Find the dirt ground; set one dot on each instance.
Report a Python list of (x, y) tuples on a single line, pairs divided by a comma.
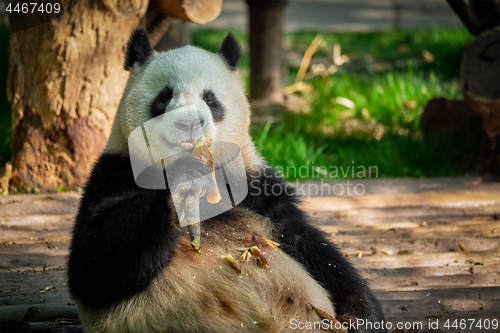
[(429, 248)]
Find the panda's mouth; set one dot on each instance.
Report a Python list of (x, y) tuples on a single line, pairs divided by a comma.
[(185, 144)]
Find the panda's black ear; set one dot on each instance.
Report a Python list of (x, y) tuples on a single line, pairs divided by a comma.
[(138, 49), (231, 51)]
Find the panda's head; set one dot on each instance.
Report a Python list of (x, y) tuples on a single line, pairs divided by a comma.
[(183, 94)]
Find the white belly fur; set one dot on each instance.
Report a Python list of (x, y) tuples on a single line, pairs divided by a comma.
[(206, 295)]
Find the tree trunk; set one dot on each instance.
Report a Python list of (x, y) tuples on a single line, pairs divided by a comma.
[(65, 81), (479, 79), (477, 16), (266, 51)]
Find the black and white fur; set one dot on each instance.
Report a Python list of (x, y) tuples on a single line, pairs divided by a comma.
[(128, 269)]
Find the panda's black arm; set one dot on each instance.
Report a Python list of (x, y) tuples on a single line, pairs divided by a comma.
[(122, 237), (269, 196)]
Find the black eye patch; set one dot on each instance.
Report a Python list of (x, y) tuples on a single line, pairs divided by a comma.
[(161, 101), (214, 105)]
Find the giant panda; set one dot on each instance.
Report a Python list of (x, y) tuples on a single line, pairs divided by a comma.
[(128, 268)]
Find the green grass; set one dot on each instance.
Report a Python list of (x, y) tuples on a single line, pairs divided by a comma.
[(393, 155), (379, 98), (382, 129), (445, 44), (5, 114)]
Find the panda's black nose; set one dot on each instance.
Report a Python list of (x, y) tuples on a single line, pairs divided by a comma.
[(189, 125)]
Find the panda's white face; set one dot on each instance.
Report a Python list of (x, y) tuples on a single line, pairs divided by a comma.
[(181, 95)]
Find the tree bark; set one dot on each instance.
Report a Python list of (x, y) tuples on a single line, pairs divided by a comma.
[(197, 11), (479, 79), (266, 51), (158, 28), (65, 81), (480, 16)]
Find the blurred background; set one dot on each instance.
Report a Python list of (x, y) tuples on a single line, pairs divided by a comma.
[(332, 83)]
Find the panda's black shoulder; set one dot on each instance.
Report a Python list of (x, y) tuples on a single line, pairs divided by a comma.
[(266, 189), (121, 240), (110, 176), (113, 169)]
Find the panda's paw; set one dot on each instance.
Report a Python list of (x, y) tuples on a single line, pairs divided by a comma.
[(188, 176)]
